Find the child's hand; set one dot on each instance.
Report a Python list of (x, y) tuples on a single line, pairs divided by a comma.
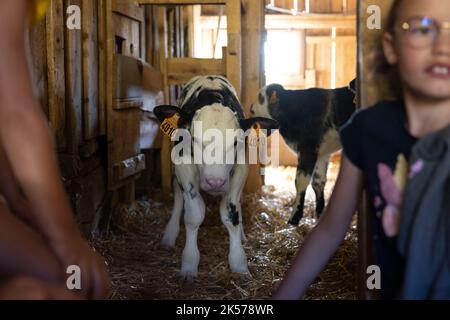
[(392, 186), (74, 250), (391, 221)]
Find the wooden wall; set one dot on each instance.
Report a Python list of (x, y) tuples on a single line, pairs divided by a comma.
[(317, 6), (69, 73), (65, 67)]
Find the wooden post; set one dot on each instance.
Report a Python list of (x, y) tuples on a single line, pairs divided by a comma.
[(252, 64), (101, 67), (370, 93), (90, 69), (166, 161), (234, 52), (56, 77), (73, 72)]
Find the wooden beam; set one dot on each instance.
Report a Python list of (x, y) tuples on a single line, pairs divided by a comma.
[(90, 70), (311, 21), (74, 100), (129, 167), (56, 76), (129, 9), (166, 146), (252, 77), (102, 67), (181, 70), (234, 48), (180, 2)]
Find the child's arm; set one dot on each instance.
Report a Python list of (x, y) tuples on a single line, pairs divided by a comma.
[(27, 142), (323, 241)]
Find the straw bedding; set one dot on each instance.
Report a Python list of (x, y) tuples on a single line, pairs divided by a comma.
[(141, 269)]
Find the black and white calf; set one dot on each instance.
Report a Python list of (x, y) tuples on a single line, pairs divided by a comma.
[(212, 102), (309, 123)]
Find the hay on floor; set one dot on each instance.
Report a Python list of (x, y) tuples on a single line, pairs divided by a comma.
[(141, 269)]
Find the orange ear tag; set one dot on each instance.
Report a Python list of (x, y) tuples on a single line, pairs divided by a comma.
[(169, 125), (273, 98)]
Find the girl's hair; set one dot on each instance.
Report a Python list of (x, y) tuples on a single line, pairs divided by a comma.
[(381, 65), (393, 14)]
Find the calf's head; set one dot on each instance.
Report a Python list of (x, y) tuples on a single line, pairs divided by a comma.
[(268, 101), (216, 139)]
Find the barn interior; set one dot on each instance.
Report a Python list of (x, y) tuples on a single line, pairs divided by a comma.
[(98, 86)]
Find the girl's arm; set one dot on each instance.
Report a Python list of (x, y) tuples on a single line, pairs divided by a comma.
[(30, 150), (24, 132), (329, 233)]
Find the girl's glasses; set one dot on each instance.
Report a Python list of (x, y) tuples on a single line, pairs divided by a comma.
[(421, 32)]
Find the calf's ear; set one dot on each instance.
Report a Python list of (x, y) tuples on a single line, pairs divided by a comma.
[(265, 123), (274, 91), (166, 111)]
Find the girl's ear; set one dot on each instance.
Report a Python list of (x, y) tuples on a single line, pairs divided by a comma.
[(389, 49)]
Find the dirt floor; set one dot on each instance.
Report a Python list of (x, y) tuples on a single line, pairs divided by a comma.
[(142, 269)]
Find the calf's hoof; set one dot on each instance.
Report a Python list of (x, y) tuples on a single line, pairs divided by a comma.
[(187, 278), (295, 220), (168, 243)]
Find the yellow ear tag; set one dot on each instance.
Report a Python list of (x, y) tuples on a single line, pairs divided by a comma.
[(169, 125), (258, 133)]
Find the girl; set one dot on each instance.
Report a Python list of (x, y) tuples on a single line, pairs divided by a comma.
[(416, 46)]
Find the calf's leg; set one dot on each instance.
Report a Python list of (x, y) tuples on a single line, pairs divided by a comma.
[(173, 227), (318, 183), (305, 170), (231, 215), (194, 213)]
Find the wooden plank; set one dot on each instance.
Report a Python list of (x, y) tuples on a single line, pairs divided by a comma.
[(102, 66), (128, 8), (126, 142), (129, 31), (181, 70), (90, 70), (74, 86), (121, 104), (313, 21), (372, 89), (180, 2), (327, 40), (129, 167), (166, 161), (109, 88), (252, 63), (189, 18), (152, 79), (234, 51), (38, 62), (56, 76), (149, 39), (127, 77)]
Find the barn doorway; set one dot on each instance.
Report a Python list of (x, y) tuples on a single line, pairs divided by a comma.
[(309, 44)]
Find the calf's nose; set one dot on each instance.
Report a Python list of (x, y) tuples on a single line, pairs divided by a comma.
[(215, 183)]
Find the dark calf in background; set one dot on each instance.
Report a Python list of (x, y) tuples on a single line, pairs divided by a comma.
[(309, 123)]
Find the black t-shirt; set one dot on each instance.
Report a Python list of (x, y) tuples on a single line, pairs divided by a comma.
[(374, 136)]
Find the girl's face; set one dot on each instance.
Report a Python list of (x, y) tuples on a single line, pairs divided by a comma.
[(423, 61)]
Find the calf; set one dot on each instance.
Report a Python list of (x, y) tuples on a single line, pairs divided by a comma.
[(309, 122), (212, 102)]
